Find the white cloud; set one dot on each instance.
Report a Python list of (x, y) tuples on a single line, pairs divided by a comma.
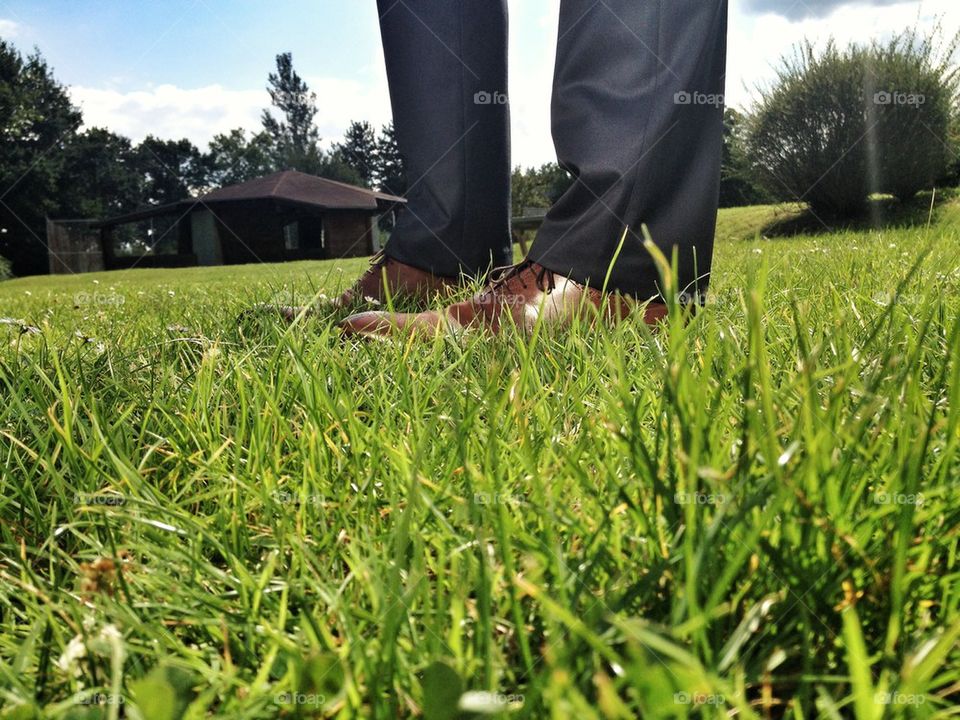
[(198, 114), (809, 8), (758, 42), (170, 112), (8, 29)]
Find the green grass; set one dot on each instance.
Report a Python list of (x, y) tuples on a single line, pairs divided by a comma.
[(756, 514)]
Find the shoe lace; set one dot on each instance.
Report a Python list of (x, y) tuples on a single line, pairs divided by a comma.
[(501, 276), (377, 262)]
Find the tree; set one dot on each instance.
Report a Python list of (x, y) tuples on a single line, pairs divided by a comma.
[(171, 170), (99, 177), (234, 159), (359, 150), (738, 183), (555, 180), (526, 191), (391, 172), (295, 138), (37, 120), (333, 167), (538, 187)]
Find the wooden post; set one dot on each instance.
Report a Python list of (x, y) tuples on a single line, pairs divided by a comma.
[(106, 247)]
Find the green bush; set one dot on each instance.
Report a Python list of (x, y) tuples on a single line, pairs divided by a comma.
[(4, 268), (912, 107), (840, 125)]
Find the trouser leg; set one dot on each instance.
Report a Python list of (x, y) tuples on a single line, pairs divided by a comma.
[(638, 119), (447, 68)]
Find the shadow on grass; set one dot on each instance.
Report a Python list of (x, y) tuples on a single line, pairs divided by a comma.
[(881, 213)]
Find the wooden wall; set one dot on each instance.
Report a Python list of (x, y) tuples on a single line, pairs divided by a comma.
[(348, 234)]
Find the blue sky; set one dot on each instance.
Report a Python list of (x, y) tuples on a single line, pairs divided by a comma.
[(196, 67)]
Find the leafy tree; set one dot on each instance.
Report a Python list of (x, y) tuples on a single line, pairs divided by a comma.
[(99, 177), (526, 191), (555, 181), (294, 135), (538, 187), (36, 122), (171, 170), (333, 167), (233, 158), (359, 150), (738, 183)]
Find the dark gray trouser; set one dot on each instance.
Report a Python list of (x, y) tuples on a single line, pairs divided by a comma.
[(637, 119)]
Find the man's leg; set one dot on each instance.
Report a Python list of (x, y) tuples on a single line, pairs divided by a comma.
[(447, 68), (638, 119)]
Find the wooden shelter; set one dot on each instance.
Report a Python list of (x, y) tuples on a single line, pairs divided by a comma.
[(285, 216)]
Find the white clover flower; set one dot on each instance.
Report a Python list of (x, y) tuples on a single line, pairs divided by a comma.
[(69, 661)]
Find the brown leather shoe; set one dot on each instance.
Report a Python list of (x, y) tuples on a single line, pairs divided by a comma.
[(521, 295), (404, 282)]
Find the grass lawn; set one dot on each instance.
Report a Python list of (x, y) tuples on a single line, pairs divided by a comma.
[(753, 515)]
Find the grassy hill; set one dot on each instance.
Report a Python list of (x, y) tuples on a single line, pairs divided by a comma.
[(755, 513)]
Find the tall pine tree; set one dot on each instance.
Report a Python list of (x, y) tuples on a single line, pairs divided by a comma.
[(294, 135), (391, 175)]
